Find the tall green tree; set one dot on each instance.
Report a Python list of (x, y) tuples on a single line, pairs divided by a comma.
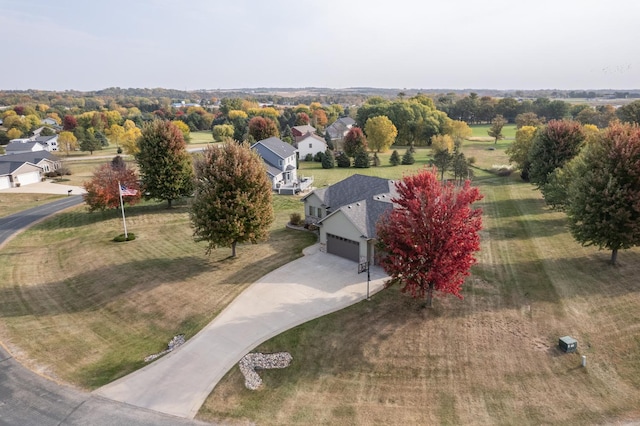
[(165, 165), (495, 131), (552, 147), (604, 192), (630, 113), (233, 197)]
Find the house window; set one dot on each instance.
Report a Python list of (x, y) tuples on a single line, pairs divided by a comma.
[(311, 145), (311, 211), (279, 162), (319, 213)]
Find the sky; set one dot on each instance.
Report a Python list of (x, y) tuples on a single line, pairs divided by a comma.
[(404, 44)]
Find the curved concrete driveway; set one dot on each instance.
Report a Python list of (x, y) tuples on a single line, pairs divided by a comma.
[(302, 290), (28, 399)]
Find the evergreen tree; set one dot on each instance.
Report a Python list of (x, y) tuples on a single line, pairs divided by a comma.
[(394, 160), (407, 158), (343, 160), (165, 165), (328, 161), (361, 160), (233, 197)]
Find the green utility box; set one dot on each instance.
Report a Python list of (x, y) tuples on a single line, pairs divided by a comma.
[(568, 344)]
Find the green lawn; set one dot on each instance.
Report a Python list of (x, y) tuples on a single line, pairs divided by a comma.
[(480, 131)]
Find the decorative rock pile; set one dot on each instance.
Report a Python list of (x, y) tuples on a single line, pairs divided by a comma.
[(258, 361), (175, 342)]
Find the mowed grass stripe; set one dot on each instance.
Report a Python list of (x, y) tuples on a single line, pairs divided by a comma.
[(86, 310)]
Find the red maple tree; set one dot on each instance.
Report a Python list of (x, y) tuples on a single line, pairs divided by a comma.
[(427, 242), (102, 190)]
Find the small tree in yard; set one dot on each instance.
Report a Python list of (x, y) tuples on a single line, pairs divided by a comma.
[(343, 160), (361, 160), (165, 165), (102, 190), (328, 161), (394, 160), (407, 158), (233, 197), (354, 141), (428, 240), (495, 131)]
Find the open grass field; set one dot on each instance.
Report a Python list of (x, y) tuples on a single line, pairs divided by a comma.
[(491, 358), (85, 310), (480, 131)]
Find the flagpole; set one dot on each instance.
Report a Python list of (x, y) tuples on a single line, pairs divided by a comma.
[(124, 221)]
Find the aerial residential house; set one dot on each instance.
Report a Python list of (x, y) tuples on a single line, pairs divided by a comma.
[(49, 121), (310, 144), (280, 159), (50, 142), (19, 146), (338, 130), (298, 132), (26, 168), (347, 212)]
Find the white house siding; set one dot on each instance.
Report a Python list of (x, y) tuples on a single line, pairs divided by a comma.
[(338, 224), (5, 182), (304, 147)]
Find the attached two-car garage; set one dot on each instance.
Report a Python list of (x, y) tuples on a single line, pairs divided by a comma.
[(27, 178), (343, 247)]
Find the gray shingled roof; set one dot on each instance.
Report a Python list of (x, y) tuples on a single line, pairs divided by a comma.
[(31, 157), (304, 129), (363, 199), (275, 145), (21, 146), (8, 167)]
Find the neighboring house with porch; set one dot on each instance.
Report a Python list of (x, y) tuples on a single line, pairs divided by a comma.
[(298, 132), (347, 212), (338, 130), (311, 144), (280, 159), (26, 168)]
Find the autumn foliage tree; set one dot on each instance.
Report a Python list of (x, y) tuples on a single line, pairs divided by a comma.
[(381, 133), (233, 196), (102, 190), (354, 141), (261, 128), (604, 191), (427, 242)]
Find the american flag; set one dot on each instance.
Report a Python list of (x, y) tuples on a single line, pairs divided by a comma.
[(124, 191)]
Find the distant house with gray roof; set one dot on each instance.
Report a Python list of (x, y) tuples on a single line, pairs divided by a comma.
[(20, 146), (347, 212), (299, 132), (339, 129), (280, 160)]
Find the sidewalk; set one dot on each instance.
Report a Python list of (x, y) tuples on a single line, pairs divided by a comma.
[(307, 288), (46, 187)]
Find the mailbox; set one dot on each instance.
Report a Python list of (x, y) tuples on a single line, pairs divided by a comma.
[(568, 344)]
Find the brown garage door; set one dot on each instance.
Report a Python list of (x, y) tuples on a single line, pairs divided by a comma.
[(342, 247)]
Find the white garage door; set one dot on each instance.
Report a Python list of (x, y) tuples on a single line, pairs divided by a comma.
[(28, 178), (4, 182)]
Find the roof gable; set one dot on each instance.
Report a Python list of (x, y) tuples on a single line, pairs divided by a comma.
[(275, 145)]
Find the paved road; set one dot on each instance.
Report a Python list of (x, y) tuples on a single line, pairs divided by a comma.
[(299, 291), (12, 225), (27, 399)]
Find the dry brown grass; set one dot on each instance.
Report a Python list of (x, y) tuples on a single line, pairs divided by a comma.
[(86, 310), (491, 358)]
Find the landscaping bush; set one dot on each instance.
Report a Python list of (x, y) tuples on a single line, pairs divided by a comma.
[(318, 157), (308, 157), (295, 219), (328, 161), (501, 170), (361, 160)]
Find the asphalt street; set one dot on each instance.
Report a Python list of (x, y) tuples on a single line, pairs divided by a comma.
[(27, 399)]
